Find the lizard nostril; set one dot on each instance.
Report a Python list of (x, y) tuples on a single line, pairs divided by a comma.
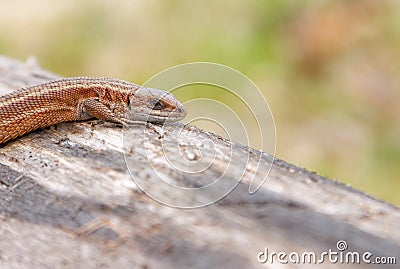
[(182, 110)]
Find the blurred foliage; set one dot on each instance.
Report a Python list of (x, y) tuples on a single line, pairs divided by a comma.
[(329, 69)]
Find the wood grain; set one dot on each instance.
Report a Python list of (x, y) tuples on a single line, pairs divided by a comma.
[(68, 200)]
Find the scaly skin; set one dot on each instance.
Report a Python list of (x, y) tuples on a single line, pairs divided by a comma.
[(81, 98)]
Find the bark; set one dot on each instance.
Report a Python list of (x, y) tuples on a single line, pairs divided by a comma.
[(71, 197)]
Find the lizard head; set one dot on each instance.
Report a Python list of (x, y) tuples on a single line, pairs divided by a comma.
[(154, 105)]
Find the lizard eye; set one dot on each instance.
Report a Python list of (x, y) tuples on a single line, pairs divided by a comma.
[(157, 105)]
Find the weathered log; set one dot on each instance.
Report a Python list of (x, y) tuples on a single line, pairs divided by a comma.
[(68, 199)]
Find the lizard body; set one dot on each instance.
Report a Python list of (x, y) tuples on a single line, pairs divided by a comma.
[(81, 98)]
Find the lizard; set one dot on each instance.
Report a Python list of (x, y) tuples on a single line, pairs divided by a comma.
[(82, 98)]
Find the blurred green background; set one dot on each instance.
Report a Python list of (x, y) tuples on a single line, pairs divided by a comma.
[(330, 70)]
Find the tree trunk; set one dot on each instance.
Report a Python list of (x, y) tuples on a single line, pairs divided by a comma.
[(72, 197)]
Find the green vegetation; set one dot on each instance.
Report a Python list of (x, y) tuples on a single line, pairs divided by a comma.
[(329, 69)]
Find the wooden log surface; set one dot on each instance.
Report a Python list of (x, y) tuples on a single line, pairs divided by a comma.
[(71, 197)]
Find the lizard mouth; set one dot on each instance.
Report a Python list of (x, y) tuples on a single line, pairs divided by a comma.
[(156, 106), (157, 116)]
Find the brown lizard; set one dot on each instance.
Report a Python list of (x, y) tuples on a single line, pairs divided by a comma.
[(81, 98)]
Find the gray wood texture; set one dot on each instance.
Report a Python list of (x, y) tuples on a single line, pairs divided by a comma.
[(68, 199)]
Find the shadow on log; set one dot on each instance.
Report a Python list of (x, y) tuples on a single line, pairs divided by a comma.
[(68, 200)]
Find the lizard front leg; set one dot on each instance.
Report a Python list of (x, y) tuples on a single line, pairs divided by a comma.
[(92, 107)]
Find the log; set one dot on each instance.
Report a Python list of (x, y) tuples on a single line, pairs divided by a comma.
[(95, 195)]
